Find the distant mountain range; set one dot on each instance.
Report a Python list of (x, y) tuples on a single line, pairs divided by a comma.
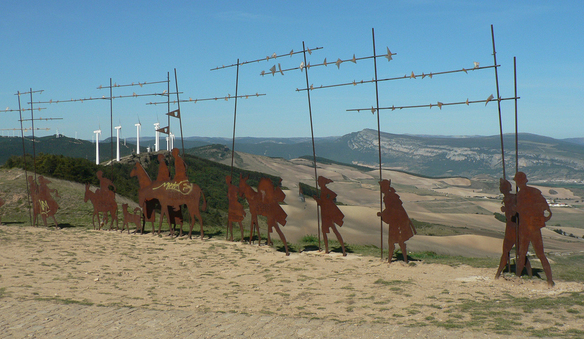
[(544, 159)]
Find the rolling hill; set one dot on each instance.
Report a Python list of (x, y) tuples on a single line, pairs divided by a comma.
[(544, 159)]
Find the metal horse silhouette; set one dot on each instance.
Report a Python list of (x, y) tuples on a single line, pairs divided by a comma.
[(266, 202), (171, 195), (103, 200), (330, 212), (42, 201), (401, 227), (532, 208)]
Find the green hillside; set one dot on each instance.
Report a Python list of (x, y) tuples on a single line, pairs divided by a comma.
[(75, 148), (209, 175)]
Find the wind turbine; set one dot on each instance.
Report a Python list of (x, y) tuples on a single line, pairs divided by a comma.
[(156, 137), (138, 127), (118, 128), (97, 133)]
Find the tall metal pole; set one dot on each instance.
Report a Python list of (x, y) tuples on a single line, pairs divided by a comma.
[(516, 161), (168, 105), (234, 118), (516, 130), (312, 135), (111, 130), (24, 160), (33, 140), (498, 103), (379, 144), (180, 116)]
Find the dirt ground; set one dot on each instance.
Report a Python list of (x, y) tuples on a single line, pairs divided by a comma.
[(86, 268)]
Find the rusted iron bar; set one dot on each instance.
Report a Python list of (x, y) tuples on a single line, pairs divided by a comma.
[(208, 99), (234, 120), (41, 119), (267, 58), (378, 142), (498, 103), (28, 109), (313, 150), (24, 161), (133, 84), (32, 123), (180, 117), (338, 63), (438, 104), (24, 129), (411, 76), (516, 159), (134, 95)]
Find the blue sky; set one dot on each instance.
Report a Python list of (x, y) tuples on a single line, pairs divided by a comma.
[(69, 48)]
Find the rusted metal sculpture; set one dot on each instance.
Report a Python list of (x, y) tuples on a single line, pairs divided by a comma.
[(180, 168), (235, 212), (171, 195), (510, 209), (135, 218), (253, 200), (532, 208), (266, 202), (42, 200), (395, 216), (104, 201), (271, 209), (329, 212), (163, 172)]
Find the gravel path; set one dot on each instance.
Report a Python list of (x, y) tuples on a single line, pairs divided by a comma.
[(46, 319)]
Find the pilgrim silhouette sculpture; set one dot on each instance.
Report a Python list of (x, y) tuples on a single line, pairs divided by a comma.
[(401, 227), (330, 213), (532, 209)]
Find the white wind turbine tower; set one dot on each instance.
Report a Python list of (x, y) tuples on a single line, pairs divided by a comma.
[(97, 133), (118, 128), (156, 137), (138, 127)]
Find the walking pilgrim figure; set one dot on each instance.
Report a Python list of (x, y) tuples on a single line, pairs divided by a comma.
[(235, 212), (271, 197), (532, 208), (510, 209), (330, 213), (401, 227)]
